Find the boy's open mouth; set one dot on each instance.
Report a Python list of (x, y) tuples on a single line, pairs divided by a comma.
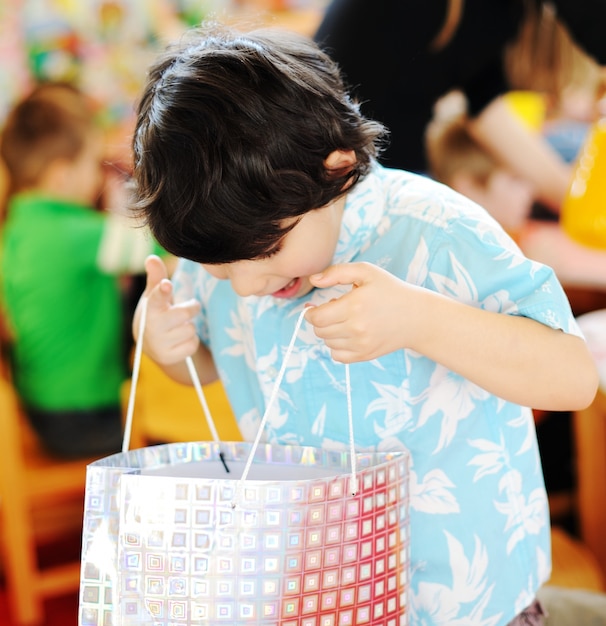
[(289, 290)]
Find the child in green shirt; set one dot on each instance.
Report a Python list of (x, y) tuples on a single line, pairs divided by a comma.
[(60, 261)]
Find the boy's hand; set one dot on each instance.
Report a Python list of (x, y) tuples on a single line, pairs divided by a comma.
[(367, 322), (169, 334)]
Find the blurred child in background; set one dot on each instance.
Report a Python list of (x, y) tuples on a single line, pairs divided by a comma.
[(548, 61), (457, 159), (402, 56), (60, 261)]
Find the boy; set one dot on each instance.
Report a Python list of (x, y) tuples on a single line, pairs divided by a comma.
[(60, 261), (255, 167)]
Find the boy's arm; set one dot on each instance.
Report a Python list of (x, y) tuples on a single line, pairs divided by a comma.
[(513, 357), (170, 334)]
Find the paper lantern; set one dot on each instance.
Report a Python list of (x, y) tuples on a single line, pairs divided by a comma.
[(584, 209)]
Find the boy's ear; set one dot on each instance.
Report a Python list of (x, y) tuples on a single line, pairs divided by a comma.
[(339, 160)]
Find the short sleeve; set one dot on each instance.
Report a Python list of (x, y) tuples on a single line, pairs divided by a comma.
[(474, 261)]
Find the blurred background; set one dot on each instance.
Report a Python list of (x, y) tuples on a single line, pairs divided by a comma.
[(105, 46)]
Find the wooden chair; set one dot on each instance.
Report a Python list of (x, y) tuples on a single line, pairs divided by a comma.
[(590, 440), (589, 428), (41, 501), (574, 565)]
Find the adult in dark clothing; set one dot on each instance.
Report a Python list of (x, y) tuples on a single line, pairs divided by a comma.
[(401, 56)]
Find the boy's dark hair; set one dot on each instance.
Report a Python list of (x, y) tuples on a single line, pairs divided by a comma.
[(231, 137), (52, 122)]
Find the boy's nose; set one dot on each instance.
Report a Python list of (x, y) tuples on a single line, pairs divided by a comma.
[(247, 283)]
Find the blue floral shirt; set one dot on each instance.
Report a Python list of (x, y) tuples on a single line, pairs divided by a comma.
[(480, 538)]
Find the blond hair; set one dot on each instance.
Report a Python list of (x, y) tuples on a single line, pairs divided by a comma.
[(544, 57), (451, 148), (451, 23)]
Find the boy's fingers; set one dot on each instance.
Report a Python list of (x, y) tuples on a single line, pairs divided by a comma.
[(156, 274), (344, 274), (156, 271)]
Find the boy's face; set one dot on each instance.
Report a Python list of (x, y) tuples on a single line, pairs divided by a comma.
[(306, 249)]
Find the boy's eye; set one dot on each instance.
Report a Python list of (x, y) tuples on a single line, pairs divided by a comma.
[(270, 253)]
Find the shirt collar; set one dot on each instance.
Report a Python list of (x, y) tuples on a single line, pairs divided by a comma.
[(362, 214)]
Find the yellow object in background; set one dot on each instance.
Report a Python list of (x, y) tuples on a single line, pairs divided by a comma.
[(584, 209), (166, 411), (529, 107)]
